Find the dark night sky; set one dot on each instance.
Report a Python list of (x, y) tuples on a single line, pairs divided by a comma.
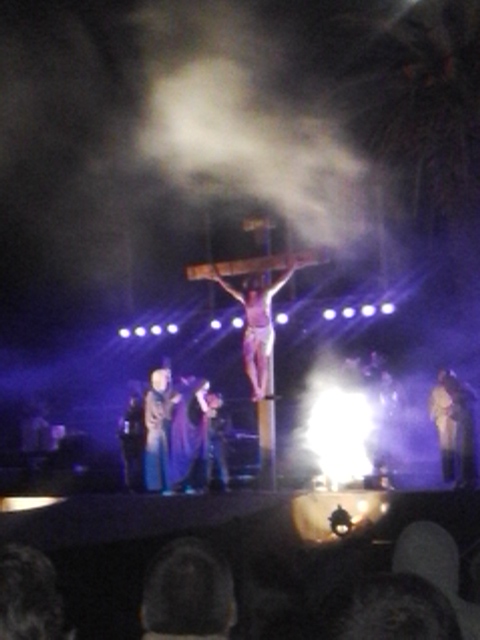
[(126, 127)]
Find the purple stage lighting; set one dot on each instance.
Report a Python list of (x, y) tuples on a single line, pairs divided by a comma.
[(329, 314), (368, 310), (156, 330), (124, 332), (216, 324), (140, 332), (348, 312), (172, 328), (282, 318), (237, 323), (387, 308)]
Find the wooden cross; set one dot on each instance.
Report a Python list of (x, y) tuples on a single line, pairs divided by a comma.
[(265, 407), (278, 262)]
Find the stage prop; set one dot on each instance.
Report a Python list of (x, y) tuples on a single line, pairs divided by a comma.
[(261, 226)]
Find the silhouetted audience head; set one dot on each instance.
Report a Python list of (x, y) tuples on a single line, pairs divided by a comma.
[(427, 549), (30, 605), (188, 590), (387, 606)]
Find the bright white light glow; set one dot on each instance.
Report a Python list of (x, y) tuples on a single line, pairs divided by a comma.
[(124, 333), (329, 314), (140, 332), (387, 308), (362, 506), (172, 328), (339, 425), (216, 324), (348, 312), (368, 310), (237, 323), (19, 503), (156, 330), (281, 318)]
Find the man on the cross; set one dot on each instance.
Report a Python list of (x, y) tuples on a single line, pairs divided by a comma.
[(259, 336)]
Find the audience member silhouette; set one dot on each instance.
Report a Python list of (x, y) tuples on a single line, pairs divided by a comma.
[(188, 591), (387, 606), (428, 550), (31, 607)]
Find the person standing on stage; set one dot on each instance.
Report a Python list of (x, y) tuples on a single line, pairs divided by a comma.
[(440, 405), (131, 433), (189, 437), (159, 401), (219, 424), (462, 411), (259, 335), (451, 408)]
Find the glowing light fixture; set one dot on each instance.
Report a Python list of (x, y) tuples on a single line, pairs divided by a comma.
[(348, 312), (368, 310), (282, 318), (140, 332), (172, 328), (237, 323), (124, 332), (329, 314), (387, 308), (340, 522), (20, 503), (216, 324), (156, 330), (338, 428)]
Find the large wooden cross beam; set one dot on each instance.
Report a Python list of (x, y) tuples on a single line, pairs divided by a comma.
[(260, 264)]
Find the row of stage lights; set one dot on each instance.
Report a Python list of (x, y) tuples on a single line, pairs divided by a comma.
[(282, 318)]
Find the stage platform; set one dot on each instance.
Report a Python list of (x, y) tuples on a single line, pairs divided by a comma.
[(304, 516)]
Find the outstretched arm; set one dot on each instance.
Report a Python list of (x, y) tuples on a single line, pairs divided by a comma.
[(281, 281), (238, 295)]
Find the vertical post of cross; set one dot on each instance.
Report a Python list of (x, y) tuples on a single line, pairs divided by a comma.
[(266, 418)]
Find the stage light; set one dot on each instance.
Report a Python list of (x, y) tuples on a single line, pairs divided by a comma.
[(312, 514), (282, 318), (387, 308), (124, 333), (20, 503), (329, 314), (340, 522), (338, 428), (237, 323), (156, 330), (216, 324), (368, 310), (348, 312), (140, 332), (172, 328)]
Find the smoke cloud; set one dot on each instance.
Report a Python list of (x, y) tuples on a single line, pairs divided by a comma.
[(216, 122)]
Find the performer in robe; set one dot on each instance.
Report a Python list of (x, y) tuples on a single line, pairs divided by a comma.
[(259, 334), (159, 402), (451, 408), (440, 405), (189, 437), (463, 412)]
